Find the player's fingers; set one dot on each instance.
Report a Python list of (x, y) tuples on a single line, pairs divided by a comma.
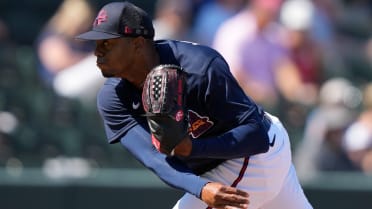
[(226, 200), (232, 190), (230, 204), (217, 195), (234, 195), (237, 199), (234, 200)]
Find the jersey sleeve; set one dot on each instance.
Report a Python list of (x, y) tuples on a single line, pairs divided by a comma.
[(115, 110), (245, 134)]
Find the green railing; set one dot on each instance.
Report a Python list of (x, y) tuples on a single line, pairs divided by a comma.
[(140, 189)]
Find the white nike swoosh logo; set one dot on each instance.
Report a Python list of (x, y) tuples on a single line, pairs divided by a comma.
[(135, 105)]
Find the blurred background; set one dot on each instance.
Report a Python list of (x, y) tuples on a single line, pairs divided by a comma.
[(307, 61)]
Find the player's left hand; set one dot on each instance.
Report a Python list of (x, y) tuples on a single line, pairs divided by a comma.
[(163, 100), (217, 195)]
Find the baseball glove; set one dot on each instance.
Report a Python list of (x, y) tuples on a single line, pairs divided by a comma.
[(163, 101)]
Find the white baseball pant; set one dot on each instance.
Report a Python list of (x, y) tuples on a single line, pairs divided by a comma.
[(269, 178)]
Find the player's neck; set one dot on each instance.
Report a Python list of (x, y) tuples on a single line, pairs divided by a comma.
[(153, 57), (149, 60)]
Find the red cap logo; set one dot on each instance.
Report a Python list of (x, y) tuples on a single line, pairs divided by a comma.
[(101, 17), (128, 30)]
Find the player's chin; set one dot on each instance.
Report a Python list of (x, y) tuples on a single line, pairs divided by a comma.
[(106, 74)]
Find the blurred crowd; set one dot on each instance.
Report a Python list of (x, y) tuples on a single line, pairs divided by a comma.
[(307, 61)]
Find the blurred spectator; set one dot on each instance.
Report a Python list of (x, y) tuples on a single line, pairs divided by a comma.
[(321, 147), (8, 125), (352, 24), (80, 81), (68, 65), (4, 33), (173, 19), (358, 137), (210, 16), (7, 45), (197, 4), (57, 48), (354, 20), (368, 52), (8, 80), (297, 17), (252, 43), (7, 48), (324, 19), (320, 17)]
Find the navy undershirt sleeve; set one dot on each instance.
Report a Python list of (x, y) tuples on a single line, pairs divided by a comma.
[(242, 141), (169, 169)]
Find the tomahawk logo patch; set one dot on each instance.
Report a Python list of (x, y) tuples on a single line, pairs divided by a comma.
[(198, 124), (101, 17)]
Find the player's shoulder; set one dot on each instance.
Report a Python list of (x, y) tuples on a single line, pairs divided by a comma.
[(111, 83), (193, 57), (109, 91), (196, 48), (189, 50)]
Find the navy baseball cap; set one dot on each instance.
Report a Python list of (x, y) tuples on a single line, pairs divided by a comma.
[(120, 19)]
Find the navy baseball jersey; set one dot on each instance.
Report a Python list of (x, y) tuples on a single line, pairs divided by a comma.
[(217, 108)]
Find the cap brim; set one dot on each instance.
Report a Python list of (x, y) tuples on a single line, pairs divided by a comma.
[(96, 35)]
